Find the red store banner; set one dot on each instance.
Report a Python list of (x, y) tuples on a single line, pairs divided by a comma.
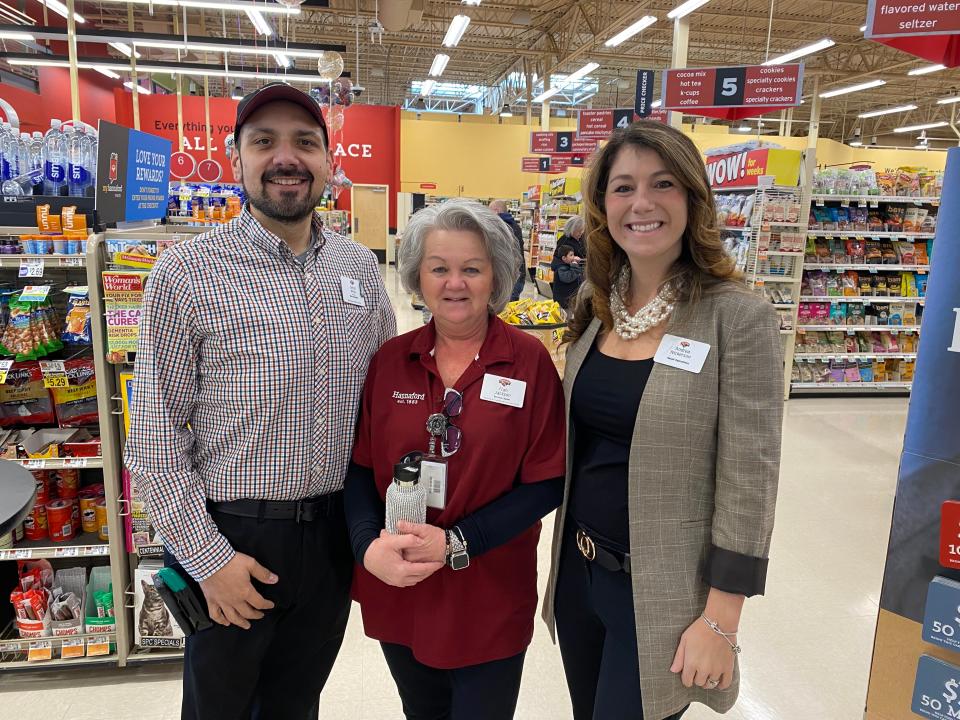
[(596, 125), (928, 30), (368, 147), (739, 91)]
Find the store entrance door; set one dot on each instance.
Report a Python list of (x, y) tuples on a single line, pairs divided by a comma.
[(370, 206)]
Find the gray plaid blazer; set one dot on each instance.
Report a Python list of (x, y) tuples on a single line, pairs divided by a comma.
[(704, 465)]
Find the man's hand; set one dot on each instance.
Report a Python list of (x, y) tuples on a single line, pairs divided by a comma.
[(384, 559), (231, 597), (433, 542)]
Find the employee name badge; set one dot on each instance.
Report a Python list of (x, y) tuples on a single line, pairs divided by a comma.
[(433, 476), (503, 390), (682, 353), (351, 291)]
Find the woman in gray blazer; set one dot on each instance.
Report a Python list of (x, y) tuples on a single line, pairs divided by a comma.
[(673, 387)]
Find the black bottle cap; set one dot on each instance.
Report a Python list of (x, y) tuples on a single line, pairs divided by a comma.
[(406, 473)]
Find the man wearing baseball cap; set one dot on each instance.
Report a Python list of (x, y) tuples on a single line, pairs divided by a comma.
[(254, 345)]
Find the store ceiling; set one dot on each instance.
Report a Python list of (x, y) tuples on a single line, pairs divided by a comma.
[(560, 36)]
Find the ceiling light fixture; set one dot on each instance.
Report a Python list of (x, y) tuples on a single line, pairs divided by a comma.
[(887, 111), (686, 8), (853, 88), (863, 28), (949, 100), (60, 9), (505, 111), (439, 64), (259, 22), (123, 48), (656, 103), (546, 95), (579, 74), (282, 60), (458, 26), (471, 2), (193, 46), (236, 5), (140, 89), (426, 87), (19, 36), (627, 33), (109, 73), (801, 52), (237, 93), (927, 69), (924, 126)]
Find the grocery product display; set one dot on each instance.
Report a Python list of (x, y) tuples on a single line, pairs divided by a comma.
[(63, 161)]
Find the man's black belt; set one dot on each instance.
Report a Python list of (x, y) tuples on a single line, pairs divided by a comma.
[(305, 510)]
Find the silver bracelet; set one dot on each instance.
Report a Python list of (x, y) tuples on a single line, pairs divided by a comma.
[(726, 636)]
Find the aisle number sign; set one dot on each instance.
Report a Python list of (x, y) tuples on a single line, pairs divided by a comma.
[(898, 18), (551, 164), (600, 124), (754, 86), (551, 143)]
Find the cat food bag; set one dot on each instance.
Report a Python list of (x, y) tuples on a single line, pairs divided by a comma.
[(153, 625)]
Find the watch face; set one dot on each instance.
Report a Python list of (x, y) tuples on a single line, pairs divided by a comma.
[(460, 561)]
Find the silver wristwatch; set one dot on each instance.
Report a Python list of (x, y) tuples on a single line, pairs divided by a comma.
[(457, 557)]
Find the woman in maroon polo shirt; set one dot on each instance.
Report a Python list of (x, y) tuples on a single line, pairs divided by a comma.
[(452, 601)]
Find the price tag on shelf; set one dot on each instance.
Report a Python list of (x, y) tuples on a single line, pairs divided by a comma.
[(7, 555), (40, 650), (72, 648), (76, 462), (872, 271), (31, 268), (820, 202), (99, 645), (5, 366), (861, 203), (34, 464), (874, 203), (52, 366), (23, 554), (71, 262), (921, 272), (845, 202), (35, 293), (64, 552), (55, 381), (95, 550)]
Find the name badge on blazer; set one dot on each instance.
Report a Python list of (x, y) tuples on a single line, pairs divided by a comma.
[(682, 353)]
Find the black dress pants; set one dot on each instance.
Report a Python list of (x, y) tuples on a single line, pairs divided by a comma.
[(487, 691), (597, 634), (277, 668)]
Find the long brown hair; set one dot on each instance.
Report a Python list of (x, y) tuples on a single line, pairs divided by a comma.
[(703, 263)]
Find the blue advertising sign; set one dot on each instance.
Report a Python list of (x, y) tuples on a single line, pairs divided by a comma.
[(936, 690), (133, 174), (941, 619), (930, 464)]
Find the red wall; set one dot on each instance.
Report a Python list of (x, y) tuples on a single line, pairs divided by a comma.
[(368, 147), (36, 110)]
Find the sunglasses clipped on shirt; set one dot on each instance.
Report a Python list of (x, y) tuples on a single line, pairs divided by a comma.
[(440, 425)]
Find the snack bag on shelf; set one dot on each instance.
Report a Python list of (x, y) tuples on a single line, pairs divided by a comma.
[(851, 283), (866, 371), (893, 370), (48, 222), (854, 314), (879, 370), (806, 372), (921, 281), (837, 371), (24, 401), (910, 318), (906, 253), (866, 285), (921, 253), (907, 368), (838, 314), (833, 285), (880, 286), (896, 313), (76, 330), (856, 250), (874, 253), (76, 405), (851, 372), (888, 256)]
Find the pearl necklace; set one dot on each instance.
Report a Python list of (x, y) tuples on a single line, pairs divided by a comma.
[(630, 327)]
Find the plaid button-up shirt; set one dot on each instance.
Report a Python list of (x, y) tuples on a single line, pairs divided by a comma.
[(249, 374)]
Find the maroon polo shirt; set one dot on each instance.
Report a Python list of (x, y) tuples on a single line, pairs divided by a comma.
[(484, 612)]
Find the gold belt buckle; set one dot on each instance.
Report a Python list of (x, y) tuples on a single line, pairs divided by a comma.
[(585, 543)]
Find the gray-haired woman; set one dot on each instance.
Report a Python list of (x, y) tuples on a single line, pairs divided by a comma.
[(477, 405)]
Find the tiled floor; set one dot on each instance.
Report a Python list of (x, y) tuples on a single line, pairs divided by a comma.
[(807, 643)]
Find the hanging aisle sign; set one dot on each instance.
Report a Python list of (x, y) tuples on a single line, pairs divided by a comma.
[(644, 96), (758, 87), (897, 18), (600, 124), (565, 143)]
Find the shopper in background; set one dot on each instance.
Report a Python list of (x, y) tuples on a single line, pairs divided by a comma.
[(567, 277), (668, 509), (254, 346), (500, 208), (452, 602), (573, 231)]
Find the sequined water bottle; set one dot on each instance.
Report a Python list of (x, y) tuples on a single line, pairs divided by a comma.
[(406, 498)]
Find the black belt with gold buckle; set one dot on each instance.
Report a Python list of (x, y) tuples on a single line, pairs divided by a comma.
[(614, 562)]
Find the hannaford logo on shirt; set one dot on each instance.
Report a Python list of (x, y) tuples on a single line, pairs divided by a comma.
[(684, 344), (408, 398), (504, 382), (682, 350)]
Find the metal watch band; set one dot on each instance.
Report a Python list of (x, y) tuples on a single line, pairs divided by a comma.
[(457, 557)]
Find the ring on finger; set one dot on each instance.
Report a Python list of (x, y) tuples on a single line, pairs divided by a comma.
[(711, 683)]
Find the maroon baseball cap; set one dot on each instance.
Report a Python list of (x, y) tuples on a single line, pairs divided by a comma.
[(272, 93)]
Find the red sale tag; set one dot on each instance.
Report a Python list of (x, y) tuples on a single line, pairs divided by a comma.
[(950, 534)]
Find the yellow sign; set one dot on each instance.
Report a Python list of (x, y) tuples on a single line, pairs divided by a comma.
[(55, 381)]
